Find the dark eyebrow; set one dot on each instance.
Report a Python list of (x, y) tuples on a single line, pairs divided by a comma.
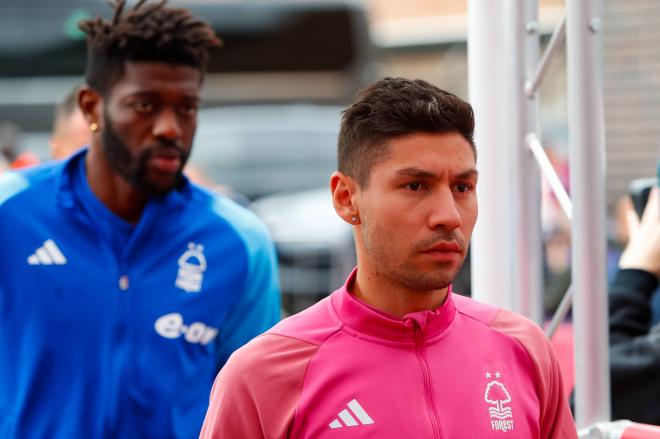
[(154, 94), (421, 173), (415, 172), (469, 174)]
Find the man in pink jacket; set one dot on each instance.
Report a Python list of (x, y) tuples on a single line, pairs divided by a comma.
[(394, 353)]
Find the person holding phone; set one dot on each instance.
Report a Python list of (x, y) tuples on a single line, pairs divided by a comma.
[(634, 341)]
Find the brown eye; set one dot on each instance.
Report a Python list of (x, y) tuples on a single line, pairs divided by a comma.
[(143, 106), (188, 109), (463, 187)]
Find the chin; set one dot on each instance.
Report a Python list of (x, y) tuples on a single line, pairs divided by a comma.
[(426, 281), (161, 186), (440, 278)]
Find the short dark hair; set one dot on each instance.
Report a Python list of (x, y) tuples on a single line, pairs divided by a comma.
[(149, 32), (392, 108)]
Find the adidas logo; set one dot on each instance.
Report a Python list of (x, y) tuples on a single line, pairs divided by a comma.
[(347, 416), (48, 254)]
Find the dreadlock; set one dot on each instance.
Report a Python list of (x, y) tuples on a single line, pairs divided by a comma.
[(149, 31)]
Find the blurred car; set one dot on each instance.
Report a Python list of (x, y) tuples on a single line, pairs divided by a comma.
[(315, 247), (280, 157), (259, 150)]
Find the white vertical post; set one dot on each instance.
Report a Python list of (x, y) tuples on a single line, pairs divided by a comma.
[(522, 40), (492, 241), (587, 170), (531, 181)]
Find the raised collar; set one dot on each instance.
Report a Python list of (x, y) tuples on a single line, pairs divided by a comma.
[(366, 321)]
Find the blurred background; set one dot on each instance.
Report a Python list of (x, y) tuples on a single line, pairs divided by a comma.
[(274, 93)]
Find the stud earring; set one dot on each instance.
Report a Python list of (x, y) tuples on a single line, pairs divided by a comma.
[(94, 127), (353, 219)]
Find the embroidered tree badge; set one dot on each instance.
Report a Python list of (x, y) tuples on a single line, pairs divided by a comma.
[(497, 394), (192, 265)]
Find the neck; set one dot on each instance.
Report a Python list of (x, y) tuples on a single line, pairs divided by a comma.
[(112, 189), (394, 298)]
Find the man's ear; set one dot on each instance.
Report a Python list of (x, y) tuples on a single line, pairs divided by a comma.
[(345, 191), (91, 105)]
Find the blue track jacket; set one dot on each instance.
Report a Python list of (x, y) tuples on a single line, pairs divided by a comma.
[(109, 330)]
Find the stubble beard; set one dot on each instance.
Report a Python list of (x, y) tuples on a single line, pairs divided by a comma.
[(134, 169), (388, 263)]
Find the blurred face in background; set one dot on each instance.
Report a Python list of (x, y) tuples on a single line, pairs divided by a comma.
[(71, 133)]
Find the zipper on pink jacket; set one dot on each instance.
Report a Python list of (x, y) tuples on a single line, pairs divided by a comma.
[(426, 375)]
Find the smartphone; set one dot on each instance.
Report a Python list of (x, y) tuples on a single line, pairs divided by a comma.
[(639, 191)]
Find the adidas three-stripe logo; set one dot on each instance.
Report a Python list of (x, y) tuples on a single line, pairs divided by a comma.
[(346, 416), (48, 254)]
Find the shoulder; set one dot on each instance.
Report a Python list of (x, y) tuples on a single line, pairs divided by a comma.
[(314, 325), (474, 309), (256, 393), (17, 184), (268, 369), (523, 331), (269, 354), (219, 208), (555, 418), (527, 333)]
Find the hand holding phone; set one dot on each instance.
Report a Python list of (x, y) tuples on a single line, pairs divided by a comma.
[(643, 249), (639, 190)]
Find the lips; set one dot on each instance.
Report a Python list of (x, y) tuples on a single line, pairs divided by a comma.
[(444, 252), (166, 160), (167, 165), (445, 247)]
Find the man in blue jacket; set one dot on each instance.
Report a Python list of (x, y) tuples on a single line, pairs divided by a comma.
[(123, 287)]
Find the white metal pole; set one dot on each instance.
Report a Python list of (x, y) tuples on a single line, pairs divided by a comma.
[(587, 170), (557, 39), (528, 273), (550, 174), (492, 281), (524, 214)]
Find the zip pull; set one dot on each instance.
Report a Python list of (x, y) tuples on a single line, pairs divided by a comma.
[(417, 330)]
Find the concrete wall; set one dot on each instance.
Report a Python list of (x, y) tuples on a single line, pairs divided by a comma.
[(632, 91)]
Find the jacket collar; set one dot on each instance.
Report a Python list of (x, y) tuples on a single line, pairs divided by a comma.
[(363, 319)]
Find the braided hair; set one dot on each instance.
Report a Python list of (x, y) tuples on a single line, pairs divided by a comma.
[(148, 32)]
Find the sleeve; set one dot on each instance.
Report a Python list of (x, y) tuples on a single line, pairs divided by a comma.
[(258, 307), (555, 419), (11, 182), (630, 313), (256, 394), (634, 348)]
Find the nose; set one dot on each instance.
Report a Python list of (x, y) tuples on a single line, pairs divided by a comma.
[(167, 126), (444, 213)]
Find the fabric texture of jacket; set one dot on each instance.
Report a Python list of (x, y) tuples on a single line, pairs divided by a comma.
[(117, 331), (342, 369), (634, 348)]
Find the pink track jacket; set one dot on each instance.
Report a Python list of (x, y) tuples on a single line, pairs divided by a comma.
[(342, 369)]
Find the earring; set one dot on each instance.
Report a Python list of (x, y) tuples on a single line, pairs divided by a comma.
[(94, 127), (353, 219)]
